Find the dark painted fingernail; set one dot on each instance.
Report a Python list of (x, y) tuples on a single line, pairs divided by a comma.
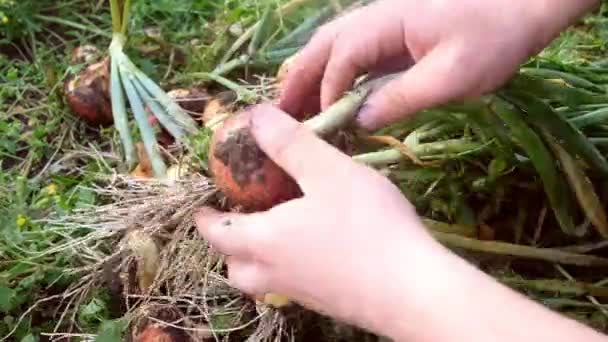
[(363, 117)]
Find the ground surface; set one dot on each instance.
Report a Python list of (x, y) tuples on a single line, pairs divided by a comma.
[(48, 155)]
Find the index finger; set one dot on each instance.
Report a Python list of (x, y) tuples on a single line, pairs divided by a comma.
[(296, 149), (303, 81)]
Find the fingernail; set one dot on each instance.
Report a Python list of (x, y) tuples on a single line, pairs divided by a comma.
[(364, 117)]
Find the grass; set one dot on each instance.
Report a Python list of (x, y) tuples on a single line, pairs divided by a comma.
[(487, 174)]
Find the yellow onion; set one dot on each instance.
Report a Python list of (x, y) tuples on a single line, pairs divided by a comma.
[(243, 172), (218, 109), (87, 94)]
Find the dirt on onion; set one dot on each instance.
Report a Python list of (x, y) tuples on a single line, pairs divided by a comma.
[(243, 172)]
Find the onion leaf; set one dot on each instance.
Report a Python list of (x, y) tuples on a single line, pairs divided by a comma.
[(584, 190), (147, 133), (119, 113), (542, 115), (163, 118), (542, 160)]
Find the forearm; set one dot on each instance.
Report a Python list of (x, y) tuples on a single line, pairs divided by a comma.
[(457, 302)]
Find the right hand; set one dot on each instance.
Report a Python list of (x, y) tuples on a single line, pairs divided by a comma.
[(453, 49)]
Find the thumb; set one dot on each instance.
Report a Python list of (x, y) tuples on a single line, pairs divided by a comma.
[(437, 78), (295, 148)]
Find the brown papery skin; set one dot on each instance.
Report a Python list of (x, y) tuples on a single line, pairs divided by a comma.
[(243, 172), (87, 94)]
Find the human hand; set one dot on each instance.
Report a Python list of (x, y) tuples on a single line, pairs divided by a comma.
[(353, 248), (453, 49), (341, 249)]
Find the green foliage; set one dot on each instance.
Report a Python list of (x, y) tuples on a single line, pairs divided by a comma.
[(42, 170), (111, 331)]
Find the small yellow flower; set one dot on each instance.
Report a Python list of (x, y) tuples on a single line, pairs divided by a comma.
[(51, 189), (21, 220), (5, 20)]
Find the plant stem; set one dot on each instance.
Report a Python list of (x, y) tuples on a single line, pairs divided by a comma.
[(243, 93), (116, 19), (503, 248), (225, 68), (458, 229), (555, 285), (125, 17), (391, 156), (343, 111)]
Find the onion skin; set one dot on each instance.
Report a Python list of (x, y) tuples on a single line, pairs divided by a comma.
[(191, 100), (243, 172), (87, 94), (84, 54), (154, 333)]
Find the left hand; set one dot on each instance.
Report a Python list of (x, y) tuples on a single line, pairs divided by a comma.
[(332, 249)]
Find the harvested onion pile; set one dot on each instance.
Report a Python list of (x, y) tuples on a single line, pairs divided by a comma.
[(101, 92)]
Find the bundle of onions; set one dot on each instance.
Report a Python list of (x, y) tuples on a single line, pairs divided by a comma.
[(141, 92)]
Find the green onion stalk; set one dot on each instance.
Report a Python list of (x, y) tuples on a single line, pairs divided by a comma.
[(141, 92)]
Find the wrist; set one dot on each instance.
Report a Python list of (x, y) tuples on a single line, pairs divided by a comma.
[(415, 279), (445, 298)]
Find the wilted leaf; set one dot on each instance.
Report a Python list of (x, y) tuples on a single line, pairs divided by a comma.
[(584, 190)]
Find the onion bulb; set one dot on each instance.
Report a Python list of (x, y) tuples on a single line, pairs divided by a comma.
[(84, 54), (243, 172), (158, 333), (218, 109), (191, 100), (87, 93)]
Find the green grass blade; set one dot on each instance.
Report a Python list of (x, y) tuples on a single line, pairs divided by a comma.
[(239, 42), (147, 133), (163, 118), (584, 190), (262, 32), (119, 112), (542, 160), (301, 34), (543, 116)]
